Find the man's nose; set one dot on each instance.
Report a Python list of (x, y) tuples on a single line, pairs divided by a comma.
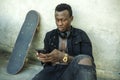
[(60, 23)]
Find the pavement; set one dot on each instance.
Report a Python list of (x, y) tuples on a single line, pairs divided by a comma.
[(30, 69)]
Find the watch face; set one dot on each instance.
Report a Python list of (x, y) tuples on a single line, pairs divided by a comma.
[(65, 58)]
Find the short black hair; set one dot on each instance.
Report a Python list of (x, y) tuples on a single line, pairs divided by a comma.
[(64, 6)]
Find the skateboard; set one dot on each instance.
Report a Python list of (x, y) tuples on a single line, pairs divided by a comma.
[(22, 45)]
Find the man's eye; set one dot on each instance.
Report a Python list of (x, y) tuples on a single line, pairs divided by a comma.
[(64, 19), (57, 20)]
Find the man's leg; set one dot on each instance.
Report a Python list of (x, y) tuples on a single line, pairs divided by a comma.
[(50, 72), (47, 73), (81, 68)]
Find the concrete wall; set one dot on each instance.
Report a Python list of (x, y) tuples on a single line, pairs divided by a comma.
[(99, 18)]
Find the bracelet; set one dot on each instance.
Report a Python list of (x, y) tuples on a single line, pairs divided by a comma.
[(65, 58)]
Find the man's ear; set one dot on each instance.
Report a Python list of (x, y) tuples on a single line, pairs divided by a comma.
[(71, 18)]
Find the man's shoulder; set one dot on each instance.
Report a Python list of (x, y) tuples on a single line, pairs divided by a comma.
[(52, 32), (81, 34), (77, 30)]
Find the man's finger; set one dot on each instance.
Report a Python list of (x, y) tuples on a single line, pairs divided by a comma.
[(37, 53)]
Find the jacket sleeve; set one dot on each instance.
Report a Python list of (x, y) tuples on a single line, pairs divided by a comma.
[(86, 46), (47, 42)]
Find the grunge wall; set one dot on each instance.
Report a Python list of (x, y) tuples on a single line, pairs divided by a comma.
[(99, 18)]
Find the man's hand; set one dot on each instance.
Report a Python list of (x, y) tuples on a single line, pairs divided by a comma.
[(54, 56), (42, 57)]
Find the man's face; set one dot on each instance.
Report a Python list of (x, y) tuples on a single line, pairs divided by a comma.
[(63, 20)]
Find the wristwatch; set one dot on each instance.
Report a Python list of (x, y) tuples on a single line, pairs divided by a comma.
[(65, 58)]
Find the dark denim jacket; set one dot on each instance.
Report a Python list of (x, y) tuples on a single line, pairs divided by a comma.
[(77, 43)]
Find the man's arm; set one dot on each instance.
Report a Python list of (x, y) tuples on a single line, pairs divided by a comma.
[(55, 56), (86, 46)]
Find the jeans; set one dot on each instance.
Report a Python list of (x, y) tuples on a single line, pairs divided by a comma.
[(72, 71)]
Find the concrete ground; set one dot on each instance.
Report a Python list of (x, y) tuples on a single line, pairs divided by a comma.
[(28, 72)]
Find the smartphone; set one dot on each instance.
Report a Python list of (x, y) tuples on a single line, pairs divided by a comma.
[(41, 50)]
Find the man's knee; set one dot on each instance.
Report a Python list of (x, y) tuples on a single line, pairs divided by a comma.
[(84, 60)]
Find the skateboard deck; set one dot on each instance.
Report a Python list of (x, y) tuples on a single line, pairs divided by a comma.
[(24, 39)]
